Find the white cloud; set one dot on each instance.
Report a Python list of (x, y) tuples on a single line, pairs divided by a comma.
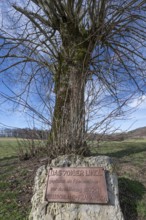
[(139, 103)]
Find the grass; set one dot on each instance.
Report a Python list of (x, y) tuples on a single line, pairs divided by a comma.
[(11, 184), (8, 147), (16, 181), (16, 178), (130, 165)]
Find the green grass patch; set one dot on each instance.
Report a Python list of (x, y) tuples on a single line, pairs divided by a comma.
[(16, 178), (22, 148), (11, 185), (10, 208), (131, 198), (130, 165), (127, 150), (8, 147)]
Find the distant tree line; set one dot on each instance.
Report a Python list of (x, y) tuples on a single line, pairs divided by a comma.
[(24, 133), (28, 133)]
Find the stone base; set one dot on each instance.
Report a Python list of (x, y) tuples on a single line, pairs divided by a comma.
[(42, 210)]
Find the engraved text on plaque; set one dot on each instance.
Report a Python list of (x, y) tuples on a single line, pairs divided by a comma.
[(77, 185)]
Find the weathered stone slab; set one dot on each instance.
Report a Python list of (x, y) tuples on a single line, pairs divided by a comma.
[(43, 210)]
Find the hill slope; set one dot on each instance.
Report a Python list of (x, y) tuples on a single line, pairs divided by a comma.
[(137, 133)]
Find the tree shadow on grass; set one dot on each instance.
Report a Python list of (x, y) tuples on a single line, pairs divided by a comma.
[(122, 153), (130, 193)]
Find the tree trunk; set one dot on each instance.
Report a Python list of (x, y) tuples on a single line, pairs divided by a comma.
[(68, 128)]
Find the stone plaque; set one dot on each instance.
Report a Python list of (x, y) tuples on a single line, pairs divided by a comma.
[(77, 185)]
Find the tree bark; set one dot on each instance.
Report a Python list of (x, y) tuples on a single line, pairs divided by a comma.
[(68, 127)]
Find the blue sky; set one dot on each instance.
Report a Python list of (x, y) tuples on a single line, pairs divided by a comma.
[(12, 119), (16, 117), (139, 116), (136, 119)]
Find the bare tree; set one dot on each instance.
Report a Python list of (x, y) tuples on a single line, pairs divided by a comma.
[(85, 52)]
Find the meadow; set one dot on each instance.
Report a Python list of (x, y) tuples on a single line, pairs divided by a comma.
[(16, 180), (17, 176)]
